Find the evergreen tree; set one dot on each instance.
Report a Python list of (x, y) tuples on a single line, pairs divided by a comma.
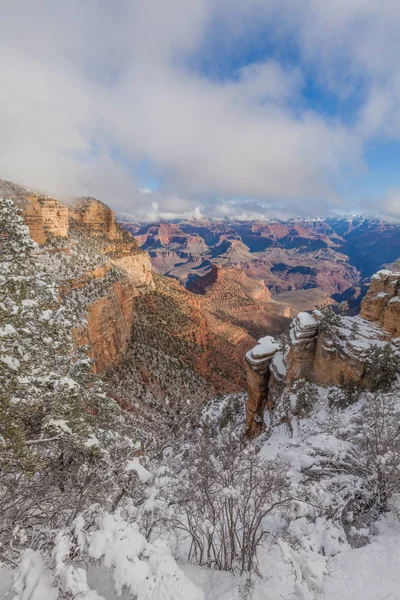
[(382, 366), (329, 320), (306, 398), (347, 393)]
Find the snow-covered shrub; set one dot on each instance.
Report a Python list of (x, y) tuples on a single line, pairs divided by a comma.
[(229, 412), (355, 330), (394, 504), (61, 437), (377, 441), (223, 492), (98, 541)]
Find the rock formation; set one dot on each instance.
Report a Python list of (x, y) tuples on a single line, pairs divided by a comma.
[(45, 217), (97, 217), (91, 225), (258, 375), (382, 301), (324, 348)]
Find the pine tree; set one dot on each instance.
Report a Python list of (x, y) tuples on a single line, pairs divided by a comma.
[(306, 398), (329, 320), (382, 366)]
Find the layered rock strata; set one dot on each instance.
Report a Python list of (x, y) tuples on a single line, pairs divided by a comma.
[(324, 352), (45, 217), (89, 227), (382, 301), (258, 375)]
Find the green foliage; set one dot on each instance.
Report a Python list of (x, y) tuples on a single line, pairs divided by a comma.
[(355, 330), (306, 398), (382, 366), (329, 320), (59, 431), (229, 412), (347, 393), (284, 343), (343, 307)]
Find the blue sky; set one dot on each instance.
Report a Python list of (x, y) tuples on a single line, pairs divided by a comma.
[(252, 109)]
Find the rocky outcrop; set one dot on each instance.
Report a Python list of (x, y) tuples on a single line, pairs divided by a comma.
[(324, 354), (303, 338), (45, 217), (382, 301), (90, 225), (110, 318), (109, 325), (324, 349), (258, 375), (231, 282), (98, 218), (137, 268)]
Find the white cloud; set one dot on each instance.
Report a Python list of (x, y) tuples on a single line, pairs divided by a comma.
[(83, 79)]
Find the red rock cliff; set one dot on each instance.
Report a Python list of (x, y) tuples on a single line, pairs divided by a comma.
[(91, 223), (382, 301), (324, 353)]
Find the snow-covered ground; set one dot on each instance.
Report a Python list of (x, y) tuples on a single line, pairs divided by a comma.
[(368, 573), (316, 549)]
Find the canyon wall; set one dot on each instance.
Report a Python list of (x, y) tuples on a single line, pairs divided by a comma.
[(88, 226), (381, 304), (45, 217), (110, 318)]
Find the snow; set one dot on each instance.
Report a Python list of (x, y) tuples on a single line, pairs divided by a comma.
[(12, 363), (59, 424), (266, 347), (383, 273), (306, 320), (67, 381), (7, 330), (134, 465), (92, 441), (368, 573), (314, 561), (33, 581), (278, 364), (148, 571), (46, 315)]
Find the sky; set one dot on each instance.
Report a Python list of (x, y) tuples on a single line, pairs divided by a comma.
[(166, 109)]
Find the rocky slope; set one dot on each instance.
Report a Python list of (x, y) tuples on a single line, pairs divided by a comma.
[(382, 301), (155, 339)]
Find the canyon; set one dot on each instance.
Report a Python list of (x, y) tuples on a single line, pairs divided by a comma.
[(150, 336), (153, 337), (334, 257), (110, 369)]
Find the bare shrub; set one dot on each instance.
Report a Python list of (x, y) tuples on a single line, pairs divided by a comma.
[(227, 490)]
